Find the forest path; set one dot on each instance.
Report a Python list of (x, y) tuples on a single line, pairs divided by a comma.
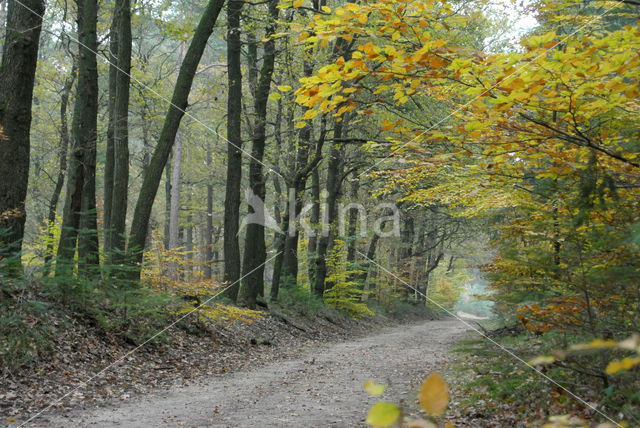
[(321, 387)]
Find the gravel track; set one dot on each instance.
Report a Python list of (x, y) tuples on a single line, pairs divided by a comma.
[(321, 387)]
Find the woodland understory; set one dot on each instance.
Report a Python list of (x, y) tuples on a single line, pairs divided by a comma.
[(229, 168)]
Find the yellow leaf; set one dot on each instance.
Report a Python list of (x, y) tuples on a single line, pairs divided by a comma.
[(301, 125), (284, 88), (310, 114), (624, 364), (274, 96), (298, 3), (326, 9), (595, 344), (373, 388), (542, 360), (434, 395), (383, 414)]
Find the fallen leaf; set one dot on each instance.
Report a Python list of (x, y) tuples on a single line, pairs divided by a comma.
[(383, 414), (373, 388)]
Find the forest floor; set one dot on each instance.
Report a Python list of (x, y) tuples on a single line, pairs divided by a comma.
[(309, 383)]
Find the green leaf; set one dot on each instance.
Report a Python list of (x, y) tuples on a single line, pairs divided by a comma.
[(274, 96), (383, 414)]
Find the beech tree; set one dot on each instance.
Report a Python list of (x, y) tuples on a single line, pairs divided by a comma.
[(17, 74), (117, 156), (255, 249), (232, 258), (79, 226)]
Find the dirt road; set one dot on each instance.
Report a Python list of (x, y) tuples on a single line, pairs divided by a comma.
[(322, 387)]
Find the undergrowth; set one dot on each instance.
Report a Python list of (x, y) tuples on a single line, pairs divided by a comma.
[(491, 384)]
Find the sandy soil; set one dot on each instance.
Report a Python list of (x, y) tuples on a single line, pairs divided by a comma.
[(321, 387)]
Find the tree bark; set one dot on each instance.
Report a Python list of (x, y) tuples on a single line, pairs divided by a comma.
[(174, 115), (314, 222), (109, 161), (87, 127), (63, 150), (371, 253), (167, 199), (278, 239), (121, 133), (209, 215), (80, 217), (17, 76), (334, 173), (174, 205), (255, 252), (234, 154), (352, 228)]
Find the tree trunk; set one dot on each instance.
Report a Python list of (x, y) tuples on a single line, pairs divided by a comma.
[(80, 217), (209, 215), (314, 222), (87, 127), (109, 161), (174, 210), (174, 115), (334, 172), (188, 241), (234, 154), (352, 227), (167, 199), (405, 252), (255, 252), (278, 239), (3, 17), (371, 253), (121, 133), (17, 75), (62, 153)]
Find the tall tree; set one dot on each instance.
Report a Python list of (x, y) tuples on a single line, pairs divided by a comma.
[(174, 196), (79, 223), (17, 76), (174, 201), (209, 217), (109, 162), (234, 152), (170, 127), (122, 21), (63, 149), (334, 179), (255, 252)]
